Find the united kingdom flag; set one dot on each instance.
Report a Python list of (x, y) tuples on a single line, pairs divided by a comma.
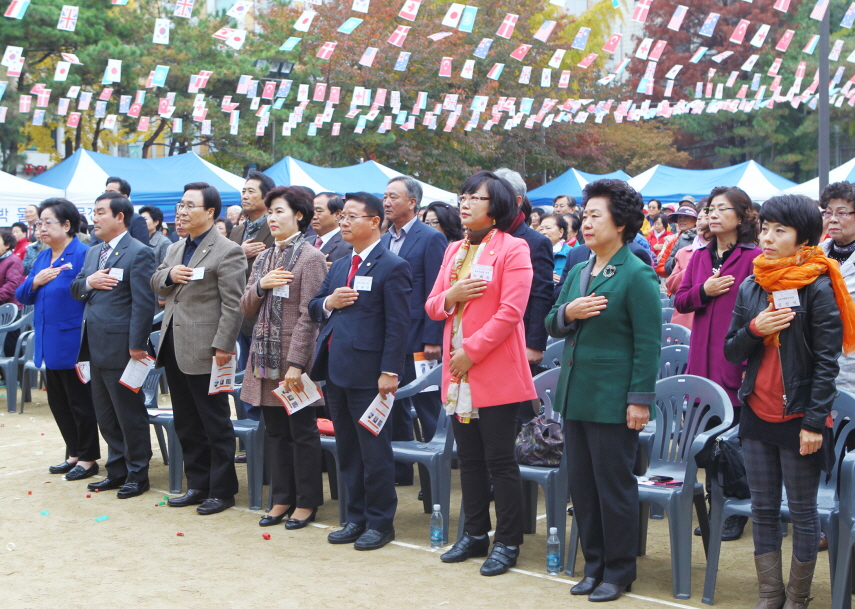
[(67, 18), (184, 8)]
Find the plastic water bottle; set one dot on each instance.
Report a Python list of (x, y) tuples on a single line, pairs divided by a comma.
[(436, 527), (553, 553)]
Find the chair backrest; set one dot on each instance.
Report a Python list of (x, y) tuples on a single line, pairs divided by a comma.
[(667, 314), (843, 412), (157, 318), (154, 337), (8, 313), (675, 334), (150, 387), (673, 360), (546, 384), (552, 355), (690, 410), (30, 349)]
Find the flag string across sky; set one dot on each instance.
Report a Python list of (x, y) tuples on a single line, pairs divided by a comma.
[(719, 92)]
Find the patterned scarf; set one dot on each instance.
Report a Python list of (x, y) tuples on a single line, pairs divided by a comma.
[(458, 399), (251, 228), (799, 270), (267, 334)]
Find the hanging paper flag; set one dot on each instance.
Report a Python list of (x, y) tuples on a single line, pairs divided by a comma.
[(644, 48), (760, 36), (521, 51), (784, 42), (61, 71), (399, 36), (677, 18), (468, 69), (204, 75), (496, 71), (223, 33), (62, 106), (439, 36), (557, 58), (669, 88), (183, 8), (722, 56), (177, 125), (622, 66), (732, 78), (304, 22), (410, 10), (743, 91), (368, 57), (506, 29), (445, 67), (834, 55), (483, 48), (360, 6), (581, 39), (73, 119), (320, 93), (708, 27), (749, 63), (160, 74), (452, 17), (782, 5), (849, 17), (16, 9), (810, 47), (113, 71), (402, 61), (563, 83), (698, 54), (672, 73), (612, 43), (525, 75), (819, 9), (546, 78), (467, 20), (658, 49), (11, 55), (43, 99), (348, 26), (739, 31), (290, 44), (547, 27), (120, 2), (587, 61), (240, 9), (67, 18), (71, 58), (326, 50), (161, 31), (776, 65), (641, 10), (144, 124), (236, 39)]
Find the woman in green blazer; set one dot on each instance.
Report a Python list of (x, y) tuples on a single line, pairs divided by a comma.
[(609, 314)]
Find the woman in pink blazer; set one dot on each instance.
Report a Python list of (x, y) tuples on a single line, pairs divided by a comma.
[(481, 292)]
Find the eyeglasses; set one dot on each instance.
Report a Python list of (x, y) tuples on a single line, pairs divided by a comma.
[(466, 198), (432, 222), (843, 215), (718, 210), (349, 219), (48, 223), (187, 206)]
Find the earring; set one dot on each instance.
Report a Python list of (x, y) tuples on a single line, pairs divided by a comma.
[(494, 222)]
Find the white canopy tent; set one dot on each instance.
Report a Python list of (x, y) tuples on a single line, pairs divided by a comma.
[(16, 193)]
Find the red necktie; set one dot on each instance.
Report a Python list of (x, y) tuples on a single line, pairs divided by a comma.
[(353, 266), (318, 243)]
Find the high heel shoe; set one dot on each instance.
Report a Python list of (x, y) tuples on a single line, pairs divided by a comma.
[(293, 524), (270, 521)]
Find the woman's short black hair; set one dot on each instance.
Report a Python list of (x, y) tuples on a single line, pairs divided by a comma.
[(560, 222), (21, 225), (625, 204), (797, 211), (503, 199), (749, 225), (573, 221), (8, 238), (154, 213), (448, 217), (659, 217), (65, 211), (298, 200)]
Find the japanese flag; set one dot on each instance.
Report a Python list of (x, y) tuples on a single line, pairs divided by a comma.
[(113, 71), (61, 71), (161, 31), (452, 17), (304, 22), (236, 39)]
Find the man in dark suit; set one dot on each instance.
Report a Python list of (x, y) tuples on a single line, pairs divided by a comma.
[(328, 239), (364, 305), (137, 227), (423, 248), (117, 321), (254, 237)]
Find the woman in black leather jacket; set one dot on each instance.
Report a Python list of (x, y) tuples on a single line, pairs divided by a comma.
[(787, 324)]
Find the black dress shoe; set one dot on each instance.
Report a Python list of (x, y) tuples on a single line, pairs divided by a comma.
[(80, 473), (500, 560), (372, 539), (193, 496), (733, 527), (62, 468), (467, 547), (268, 521), (107, 484), (585, 587), (214, 506), (349, 534), (240, 458), (133, 489), (608, 592), (293, 524)]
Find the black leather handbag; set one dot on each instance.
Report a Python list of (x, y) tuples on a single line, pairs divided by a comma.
[(728, 466)]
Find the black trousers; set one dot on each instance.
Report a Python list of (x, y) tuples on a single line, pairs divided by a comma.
[(204, 427), (294, 454), (427, 405), (70, 402), (605, 497), (485, 451), (365, 460), (123, 421)]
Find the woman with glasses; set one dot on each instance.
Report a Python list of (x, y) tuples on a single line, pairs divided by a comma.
[(481, 293), (446, 219), (58, 322)]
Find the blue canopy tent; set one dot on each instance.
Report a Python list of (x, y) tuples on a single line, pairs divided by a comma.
[(571, 182), (669, 184), (157, 182)]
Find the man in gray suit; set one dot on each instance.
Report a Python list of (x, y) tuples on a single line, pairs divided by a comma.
[(117, 321), (202, 280), (328, 206)]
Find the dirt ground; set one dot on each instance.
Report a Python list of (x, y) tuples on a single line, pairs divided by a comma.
[(65, 559)]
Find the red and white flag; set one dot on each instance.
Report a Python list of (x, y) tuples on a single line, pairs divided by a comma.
[(641, 10), (784, 42), (61, 71), (67, 18), (587, 61), (506, 29), (399, 36), (521, 51), (445, 67), (144, 124), (782, 5), (71, 58), (613, 42), (73, 119), (43, 98), (410, 10), (545, 31), (368, 57), (223, 33), (269, 90), (183, 8), (658, 49), (738, 36), (16, 9), (452, 17), (677, 18), (304, 22), (326, 50), (760, 36)]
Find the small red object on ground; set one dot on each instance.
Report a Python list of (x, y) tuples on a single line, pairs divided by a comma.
[(97, 490), (88, 495), (266, 535), (29, 492), (180, 534)]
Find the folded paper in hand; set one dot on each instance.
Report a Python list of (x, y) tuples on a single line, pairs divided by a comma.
[(375, 417), (293, 401), (222, 377), (136, 372)]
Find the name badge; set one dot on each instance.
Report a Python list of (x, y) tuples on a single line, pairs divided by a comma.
[(117, 273), (362, 283), (481, 271), (198, 273), (282, 291), (786, 299)]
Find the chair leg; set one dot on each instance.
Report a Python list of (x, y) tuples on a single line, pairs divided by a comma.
[(426, 482), (443, 474), (841, 587), (529, 507), (158, 430), (556, 515), (703, 518), (12, 389), (255, 468), (717, 518), (681, 533), (176, 461), (643, 517), (656, 512), (332, 475), (572, 549)]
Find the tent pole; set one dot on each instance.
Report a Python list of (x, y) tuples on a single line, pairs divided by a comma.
[(824, 143)]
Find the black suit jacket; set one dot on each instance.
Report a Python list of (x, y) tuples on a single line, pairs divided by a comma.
[(369, 336), (336, 247), (540, 299)]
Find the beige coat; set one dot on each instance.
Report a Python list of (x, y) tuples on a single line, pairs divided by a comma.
[(204, 313), (299, 332)]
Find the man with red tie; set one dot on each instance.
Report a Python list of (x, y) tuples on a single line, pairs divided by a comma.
[(364, 305)]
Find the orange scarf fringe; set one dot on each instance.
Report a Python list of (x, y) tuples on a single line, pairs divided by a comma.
[(799, 270)]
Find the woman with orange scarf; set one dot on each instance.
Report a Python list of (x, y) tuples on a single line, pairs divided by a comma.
[(791, 320)]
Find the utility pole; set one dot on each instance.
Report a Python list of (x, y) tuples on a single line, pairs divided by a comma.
[(824, 144)]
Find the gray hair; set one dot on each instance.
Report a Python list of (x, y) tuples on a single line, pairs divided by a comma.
[(414, 189), (515, 180)]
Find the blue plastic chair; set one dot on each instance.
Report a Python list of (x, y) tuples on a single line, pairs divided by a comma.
[(8, 313), (29, 371), (673, 361), (552, 355), (675, 334), (10, 364), (667, 314), (251, 433), (686, 407), (842, 578), (328, 444)]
